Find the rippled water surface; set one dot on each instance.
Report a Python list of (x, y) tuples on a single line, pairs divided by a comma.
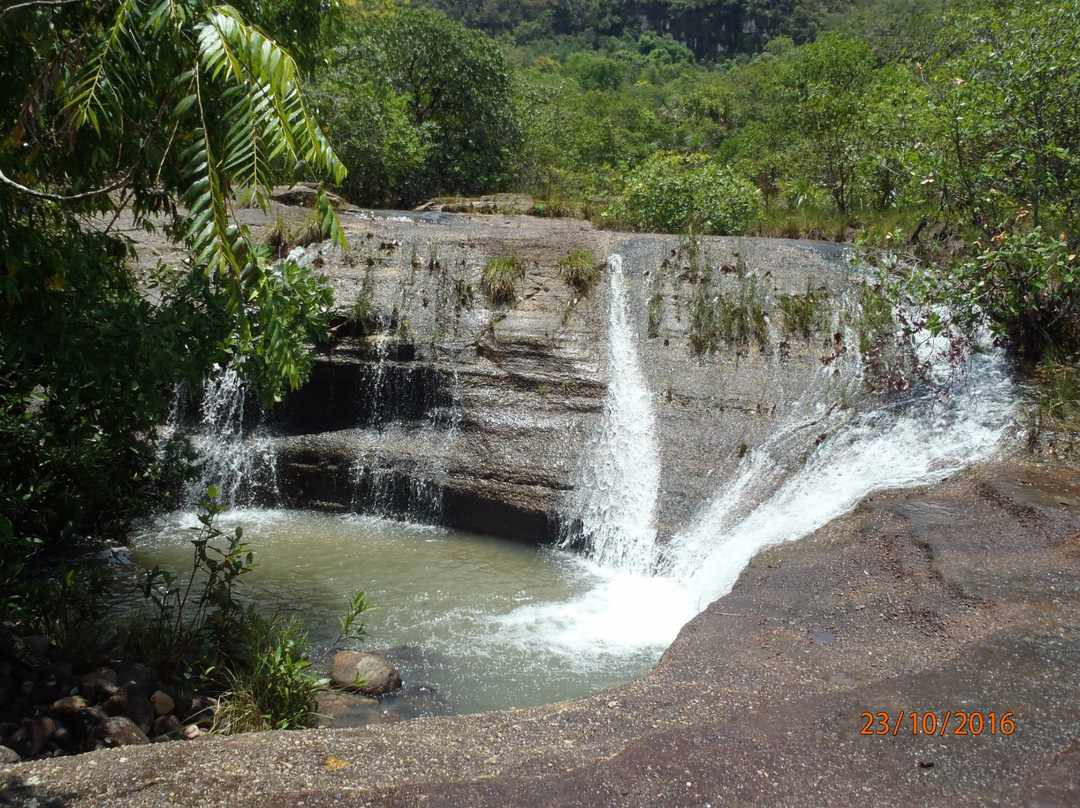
[(490, 624)]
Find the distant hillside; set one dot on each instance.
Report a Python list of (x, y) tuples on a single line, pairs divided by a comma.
[(710, 28)]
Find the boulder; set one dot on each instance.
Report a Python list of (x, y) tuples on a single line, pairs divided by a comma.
[(99, 685), (18, 649), (163, 702), (165, 725), (31, 736), (67, 707), (365, 673), (116, 731), (84, 721), (137, 674), (8, 756), (203, 709), (132, 702)]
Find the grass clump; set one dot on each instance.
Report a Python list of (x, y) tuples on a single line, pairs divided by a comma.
[(580, 270), (282, 237), (501, 276), (268, 680), (804, 314), (362, 316), (736, 317), (1053, 414)]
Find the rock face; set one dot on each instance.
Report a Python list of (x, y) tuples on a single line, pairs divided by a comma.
[(365, 673), (434, 403)]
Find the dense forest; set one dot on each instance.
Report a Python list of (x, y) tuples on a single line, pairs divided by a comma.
[(940, 138)]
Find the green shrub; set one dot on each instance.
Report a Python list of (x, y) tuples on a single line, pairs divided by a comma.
[(580, 270), (675, 193), (500, 277), (363, 316), (269, 683), (283, 237)]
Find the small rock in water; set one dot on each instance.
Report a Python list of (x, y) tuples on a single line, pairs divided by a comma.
[(366, 673)]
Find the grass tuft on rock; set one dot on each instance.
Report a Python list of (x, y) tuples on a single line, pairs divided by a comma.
[(501, 276)]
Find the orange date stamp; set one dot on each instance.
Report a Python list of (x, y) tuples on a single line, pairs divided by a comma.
[(931, 723)]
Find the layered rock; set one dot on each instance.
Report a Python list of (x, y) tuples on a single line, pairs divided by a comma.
[(434, 403)]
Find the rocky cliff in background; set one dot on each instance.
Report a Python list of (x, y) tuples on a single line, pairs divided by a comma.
[(433, 402)]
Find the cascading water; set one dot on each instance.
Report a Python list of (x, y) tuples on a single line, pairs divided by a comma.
[(388, 484), (232, 455), (619, 479), (814, 469)]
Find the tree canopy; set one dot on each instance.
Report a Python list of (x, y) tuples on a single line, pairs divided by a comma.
[(174, 111)]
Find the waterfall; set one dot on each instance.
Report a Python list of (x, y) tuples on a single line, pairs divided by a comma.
[(412, 405), (232, 453), (814, 468), (920, 443), (620, 473)]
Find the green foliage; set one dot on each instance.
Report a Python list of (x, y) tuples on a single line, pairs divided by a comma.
[(87, 362), (1000, 159), (351, 626), (676, 193), (818, 97), (282, 237), (1004, 103), (1026, 285), (193, 622), (129, 108), (269, 683), (594, 72), (501, 277), (580, 270), (1053, 411), (422, 105), (363, 315)]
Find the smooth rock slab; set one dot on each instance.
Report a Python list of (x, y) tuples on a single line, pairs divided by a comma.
[(364, 673)]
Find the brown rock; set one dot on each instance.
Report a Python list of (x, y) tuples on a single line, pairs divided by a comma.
[(366, 673), (136, 674), (202, 711), (116, 731), (132, 702), (67, 707), (166, 724), (8, 756), (31, 736), (163, 703), (38, 644), (99, 685), (16, 648)]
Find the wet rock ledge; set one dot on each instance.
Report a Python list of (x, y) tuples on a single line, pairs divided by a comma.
[(962, 598)]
